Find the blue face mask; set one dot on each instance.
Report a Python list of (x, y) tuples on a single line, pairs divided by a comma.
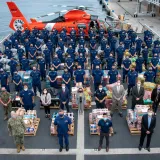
[(61, 115), (105, 119)]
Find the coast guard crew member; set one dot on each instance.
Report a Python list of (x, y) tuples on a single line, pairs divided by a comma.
[(42, 68), (149, 75), (79, 75), (66, 77), (4, 80), (17, 80), (52, 76), (25, 64), (113, 75)]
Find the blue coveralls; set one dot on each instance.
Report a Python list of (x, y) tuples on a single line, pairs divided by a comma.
[(139, 63), (138, 45), (8, 53), (149, 43), (145, 56), (110, 62), (103, 44), (63, 36), (81, 61), (82, 50), (79, 76), (71, 52), (107, 52), (4, 78), (62, 129), (155, 61), (113, 76), (27, 46), (13, 66), (132, 51), (96, 62), (36, 80), (47, 54), (38, 45), (66, 77), (27, 99), (73, 44), (93, 44), (25, 64), (17, 79), (81, 42), (156, 42), (93, 54), (54, 39), (50, 46), (60, 55), (32, 39), (20, 53), (42, 66), (133, 38), (122, 37), (32, 51), (61, 45), (127, 43), (56, 62), (7, 43), (149, 76), (69, 62), (156, 50), (126, 63), (97, 74), (113, 45), (120, 53), (73, 35), (132, 77), (53, 75)]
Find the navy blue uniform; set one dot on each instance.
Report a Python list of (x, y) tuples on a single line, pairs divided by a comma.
[(69, 63), (92, 44), (132, 51), (7, 43), (96, 62), (82, 50), (59, 53), (79, 76), (126, 64), (71, 52), (17, 80), (25, 64), (97, 74), (4, 81), (32, 53), (113, 74), (47, 54), (53, 75), (81, 61), (103, 44), (113, 44), (120, 53), (61, 45), (110, 62), (138, 45), (8, 53), (139, 63), (42, 66), (64, 97), (13, 66), (27, 46), (156, 50), (107, 52), (81, 42), (67, 78), (132, 77), (20, 53), (149, 76), (145, 56), (155, 61), (100, 95), (93, 54), (127, 43), (62, 129), (56, 63), (36, 81), (27, 99)]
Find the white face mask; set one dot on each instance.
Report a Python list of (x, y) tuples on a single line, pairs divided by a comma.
[(118, 84), (138, 84), (25, 89), (14, 116), (150, 113), (63, 87), (45, 92), (100, 88)]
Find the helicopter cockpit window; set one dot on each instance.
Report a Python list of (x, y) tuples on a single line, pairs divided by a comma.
[(94, 17), (82, 26)]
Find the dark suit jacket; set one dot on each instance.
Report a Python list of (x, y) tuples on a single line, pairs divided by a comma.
[(64, 96), (154, 95), (139, 95), (145, 124)]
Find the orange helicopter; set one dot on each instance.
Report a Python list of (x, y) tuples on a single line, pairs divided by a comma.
[(75, 18)]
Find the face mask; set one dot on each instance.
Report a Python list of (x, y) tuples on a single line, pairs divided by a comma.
[(25, 89), (150, 113), (14, 116), (61, 115), (113, 69), (100, 88), (80, 91), (104, 119), (79, 68), (138, 85), (45, 92), (118, 84), (63, 87)]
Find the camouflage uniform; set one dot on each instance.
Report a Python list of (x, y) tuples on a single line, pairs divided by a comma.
[(17, 128), (5, 97)]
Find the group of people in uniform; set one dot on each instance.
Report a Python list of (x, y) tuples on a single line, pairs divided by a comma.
[(48, 50)]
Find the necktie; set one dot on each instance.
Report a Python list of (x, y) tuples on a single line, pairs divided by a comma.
[(118, 88), (138, 89), (46, 99)]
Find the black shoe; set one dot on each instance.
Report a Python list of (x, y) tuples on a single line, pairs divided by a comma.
[(46, 116), (140, 148), (148, 149), (120, 114), (60, 149), (99, 148), (67, 148), (111, 114)]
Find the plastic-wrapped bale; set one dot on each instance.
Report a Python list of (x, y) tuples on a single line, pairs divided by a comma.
[(133, 59), (147, 95), (87, 93), (147, 102), (141, 109), (143, 68), (26, 77), (93, 129), (21, 73), (133, 65), (126, 53), (141, 77), (148, 86), (109, 95)]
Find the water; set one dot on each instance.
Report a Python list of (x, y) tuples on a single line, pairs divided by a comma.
[(35, 8)]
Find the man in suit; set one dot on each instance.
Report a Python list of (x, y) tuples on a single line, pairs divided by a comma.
[(137, 95), (64, 97), (148, 125), (117, 98)]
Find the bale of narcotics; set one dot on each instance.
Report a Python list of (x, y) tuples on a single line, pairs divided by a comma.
[(149, 86)]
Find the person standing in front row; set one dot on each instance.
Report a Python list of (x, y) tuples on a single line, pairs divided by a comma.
[(64, 98), (105, 128), (100, 96), (137, 95), (63, 127), (16, 128), (148, 125), (46, 102), (155, 97), (117, 98)]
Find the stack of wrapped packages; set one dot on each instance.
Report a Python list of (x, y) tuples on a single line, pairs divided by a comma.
[(26, 78), (52, 129), (94, 118), (108, 101), (87, 93), (134, 118), (158, 75), (148, 87), (30, 120)]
